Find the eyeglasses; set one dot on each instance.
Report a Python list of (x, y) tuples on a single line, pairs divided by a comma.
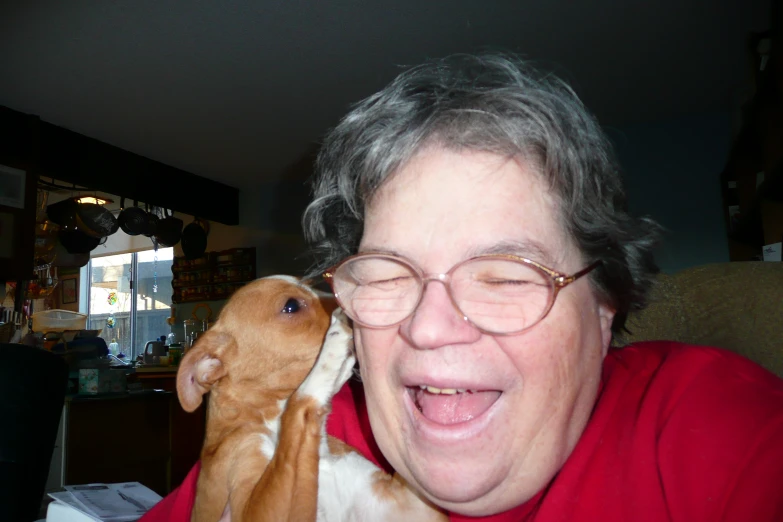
[(498, 293)]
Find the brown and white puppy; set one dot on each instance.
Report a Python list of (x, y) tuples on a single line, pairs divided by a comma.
[(266, 455)]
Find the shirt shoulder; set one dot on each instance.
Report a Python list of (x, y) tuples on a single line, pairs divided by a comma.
[(715, 422), (177, 505), (710, 384)]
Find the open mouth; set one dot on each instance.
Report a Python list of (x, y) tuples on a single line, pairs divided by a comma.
[(448, 406)]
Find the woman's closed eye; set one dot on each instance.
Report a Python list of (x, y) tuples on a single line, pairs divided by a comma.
[(388, 283), (504, 281)]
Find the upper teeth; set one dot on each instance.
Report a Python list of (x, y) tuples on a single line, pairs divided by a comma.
[(445, 391)]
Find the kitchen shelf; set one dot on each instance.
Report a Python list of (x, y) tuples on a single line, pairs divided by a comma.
[(180, 270), (185, 284), (240, 263)]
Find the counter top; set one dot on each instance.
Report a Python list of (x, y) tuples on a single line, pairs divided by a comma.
[(113, 396), (156, 369)]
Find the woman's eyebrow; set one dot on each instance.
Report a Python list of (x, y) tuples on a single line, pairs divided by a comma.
[(374, 250), (526, 248)]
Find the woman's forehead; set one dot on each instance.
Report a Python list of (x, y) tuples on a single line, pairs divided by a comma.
[(470, 203)]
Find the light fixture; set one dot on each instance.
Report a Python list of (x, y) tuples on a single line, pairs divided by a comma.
[(93, 199)]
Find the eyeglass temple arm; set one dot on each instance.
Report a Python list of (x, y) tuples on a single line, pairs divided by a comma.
[(563, 281)]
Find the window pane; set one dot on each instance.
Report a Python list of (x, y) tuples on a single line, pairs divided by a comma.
[(111, 275), (153, 307)]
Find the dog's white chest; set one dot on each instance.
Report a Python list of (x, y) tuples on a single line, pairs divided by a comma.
[(345, 489)]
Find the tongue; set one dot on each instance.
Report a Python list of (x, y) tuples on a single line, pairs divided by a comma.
[(452, 409)]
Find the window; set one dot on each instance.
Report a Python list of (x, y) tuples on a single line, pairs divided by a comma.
[(130, 298)]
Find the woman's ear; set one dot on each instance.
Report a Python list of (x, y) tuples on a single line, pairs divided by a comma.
[(606, 317)]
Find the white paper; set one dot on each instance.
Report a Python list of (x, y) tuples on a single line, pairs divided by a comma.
[(66, 509), (773, 252), (122, 502)]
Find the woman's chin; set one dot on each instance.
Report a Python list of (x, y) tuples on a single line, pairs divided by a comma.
[(457, 485), (456, 465), (465, 488)]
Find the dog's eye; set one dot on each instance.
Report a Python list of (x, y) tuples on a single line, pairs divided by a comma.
[(291, 306)]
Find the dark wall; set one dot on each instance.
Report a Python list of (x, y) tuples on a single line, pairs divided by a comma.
[(673, 174)]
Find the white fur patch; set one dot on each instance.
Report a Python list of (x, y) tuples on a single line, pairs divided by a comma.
[(269, 441), (334, 365), (293, 280), (345, 491)]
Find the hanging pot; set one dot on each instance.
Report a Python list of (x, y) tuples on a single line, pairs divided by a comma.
[(63, 213), (64, 259), (133, 220), (169, 230), (77, 242), (95, 220), (152, 222), (203, 223), (194, 240)]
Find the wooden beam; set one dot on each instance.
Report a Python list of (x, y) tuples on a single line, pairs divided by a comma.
[(19, 150), (74, 158)]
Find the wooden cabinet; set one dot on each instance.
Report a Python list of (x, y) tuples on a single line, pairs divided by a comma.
[(145, 437), (187, 429), (119, 439)]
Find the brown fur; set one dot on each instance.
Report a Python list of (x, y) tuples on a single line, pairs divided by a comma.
[(252, 358)]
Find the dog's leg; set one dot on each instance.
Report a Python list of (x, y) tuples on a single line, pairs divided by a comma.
[(248, 459), (334, 365), (288, 490), (211, 493)]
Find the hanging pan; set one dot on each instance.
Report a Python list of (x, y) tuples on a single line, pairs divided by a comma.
[(132, 220), (65, 259), (152, 221), (63, 213), (194, 240), (77, 242), (169, 230), (95, 220)]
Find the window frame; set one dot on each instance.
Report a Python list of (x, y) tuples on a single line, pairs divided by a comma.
[(134, 296)]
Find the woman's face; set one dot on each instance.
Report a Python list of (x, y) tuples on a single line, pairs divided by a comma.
[(535, 389)]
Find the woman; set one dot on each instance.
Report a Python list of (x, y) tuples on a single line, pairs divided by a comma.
[(471, 219), (453, 167)]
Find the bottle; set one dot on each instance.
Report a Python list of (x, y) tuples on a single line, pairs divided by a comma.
[(175, 353)]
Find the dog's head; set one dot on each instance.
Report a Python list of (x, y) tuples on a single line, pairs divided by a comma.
[(270, 332)]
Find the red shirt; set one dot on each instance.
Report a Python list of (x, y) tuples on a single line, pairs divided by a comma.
[(680, 433)]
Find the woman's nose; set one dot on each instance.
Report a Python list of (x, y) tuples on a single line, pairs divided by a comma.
[(436, 321)]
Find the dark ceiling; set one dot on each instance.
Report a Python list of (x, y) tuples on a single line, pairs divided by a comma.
[(239, 91)]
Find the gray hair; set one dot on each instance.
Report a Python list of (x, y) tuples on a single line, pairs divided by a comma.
[(489, 103)]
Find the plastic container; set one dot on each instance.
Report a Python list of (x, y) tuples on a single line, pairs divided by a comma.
[(58, 321)]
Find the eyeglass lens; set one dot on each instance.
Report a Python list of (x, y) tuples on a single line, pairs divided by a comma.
[(497, 295)]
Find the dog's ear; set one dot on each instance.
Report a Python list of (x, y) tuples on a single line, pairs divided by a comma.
[(202, 367)]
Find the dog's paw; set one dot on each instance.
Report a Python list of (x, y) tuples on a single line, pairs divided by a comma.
[(334, 364)]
